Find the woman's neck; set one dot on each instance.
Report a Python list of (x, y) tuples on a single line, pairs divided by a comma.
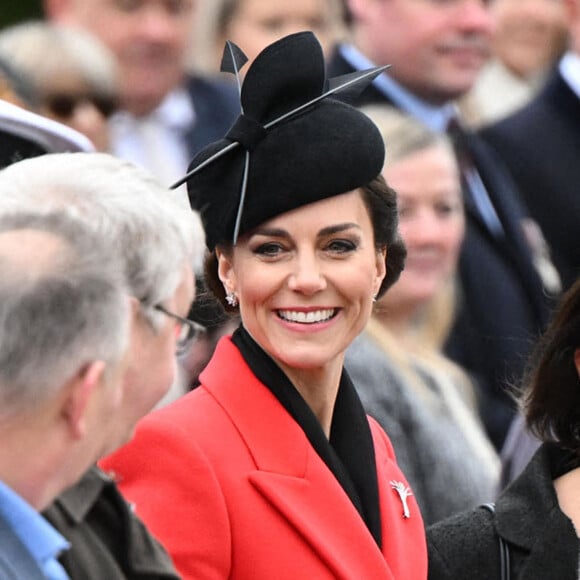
[(566, 487), (319, 388)]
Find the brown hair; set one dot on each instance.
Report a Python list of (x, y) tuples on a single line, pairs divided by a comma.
[(381, 203), (551, 401)]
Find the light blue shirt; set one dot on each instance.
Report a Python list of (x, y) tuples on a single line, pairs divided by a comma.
[(570, 71), (39, 537), (434, 117)]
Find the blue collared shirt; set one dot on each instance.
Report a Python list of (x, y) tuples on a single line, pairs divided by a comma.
[(42, 541), (570, 70), (436, 118)]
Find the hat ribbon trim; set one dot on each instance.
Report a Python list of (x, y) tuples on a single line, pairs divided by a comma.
[(369, 75)]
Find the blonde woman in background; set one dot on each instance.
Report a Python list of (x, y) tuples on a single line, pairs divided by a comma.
[(254, 24), (73, 77), (424, 401)]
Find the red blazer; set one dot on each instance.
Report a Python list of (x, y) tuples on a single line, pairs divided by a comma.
[(229, 483)]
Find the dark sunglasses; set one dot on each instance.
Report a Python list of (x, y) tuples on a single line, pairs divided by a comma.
[(64, 105)]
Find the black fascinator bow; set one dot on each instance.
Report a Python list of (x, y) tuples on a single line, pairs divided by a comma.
[(285, 89)]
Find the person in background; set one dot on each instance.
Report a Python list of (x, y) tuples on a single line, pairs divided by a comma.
[(535, 520), (540, 144), (159, 242), (73, 76), (529, 38), (254, 24), (166, 114), (424, 401), (437, 50), (65, 320), (271, 468)]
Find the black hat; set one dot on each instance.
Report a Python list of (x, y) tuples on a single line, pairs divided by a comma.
[(292, 144)]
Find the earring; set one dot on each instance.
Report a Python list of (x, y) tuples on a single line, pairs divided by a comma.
[(232, 299), (374, 298)]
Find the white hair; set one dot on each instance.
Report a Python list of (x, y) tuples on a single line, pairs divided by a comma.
[(152, 228), (40, 50), (63, 305)]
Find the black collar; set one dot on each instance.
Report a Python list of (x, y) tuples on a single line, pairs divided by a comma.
[(349, 453)]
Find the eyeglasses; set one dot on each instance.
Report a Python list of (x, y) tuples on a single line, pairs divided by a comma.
[(188, 330), (64, 105)]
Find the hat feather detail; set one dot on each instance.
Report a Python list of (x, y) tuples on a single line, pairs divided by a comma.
[(293, 144), (233, 60)]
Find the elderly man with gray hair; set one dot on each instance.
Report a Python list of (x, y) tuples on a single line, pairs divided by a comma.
[(160, 243), (64, 332)]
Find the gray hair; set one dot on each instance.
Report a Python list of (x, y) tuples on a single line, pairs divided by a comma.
[(403, 135), (40, 50), (62, 306), (153, 229)]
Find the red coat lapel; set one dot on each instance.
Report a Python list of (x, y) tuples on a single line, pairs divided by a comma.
[(295, 481)]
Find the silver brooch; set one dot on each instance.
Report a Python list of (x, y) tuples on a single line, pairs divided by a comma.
[(404, 492)]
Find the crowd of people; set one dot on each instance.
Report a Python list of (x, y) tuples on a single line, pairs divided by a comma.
[(290, 290)]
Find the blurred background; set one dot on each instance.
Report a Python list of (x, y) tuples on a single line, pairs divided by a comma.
[(16, 11)]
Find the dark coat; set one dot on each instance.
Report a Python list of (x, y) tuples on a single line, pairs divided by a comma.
[(107, 539), (503, 305), (541, 146), (14, 148), (24, 134), (217, 105), (541, 539)]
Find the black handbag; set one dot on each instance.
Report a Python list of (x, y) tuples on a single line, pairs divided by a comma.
[(504, 553)]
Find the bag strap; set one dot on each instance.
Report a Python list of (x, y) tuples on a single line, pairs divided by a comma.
[(504, 553)]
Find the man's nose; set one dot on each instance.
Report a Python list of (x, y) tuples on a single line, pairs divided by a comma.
[(476, 16)]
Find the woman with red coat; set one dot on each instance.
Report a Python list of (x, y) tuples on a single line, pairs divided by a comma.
[(270, 468)]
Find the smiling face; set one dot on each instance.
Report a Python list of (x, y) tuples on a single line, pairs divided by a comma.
[(436, 47), (431, 223), (305, 281)]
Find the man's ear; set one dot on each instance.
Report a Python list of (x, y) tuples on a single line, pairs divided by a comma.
[(136, 311), (81, 389)]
